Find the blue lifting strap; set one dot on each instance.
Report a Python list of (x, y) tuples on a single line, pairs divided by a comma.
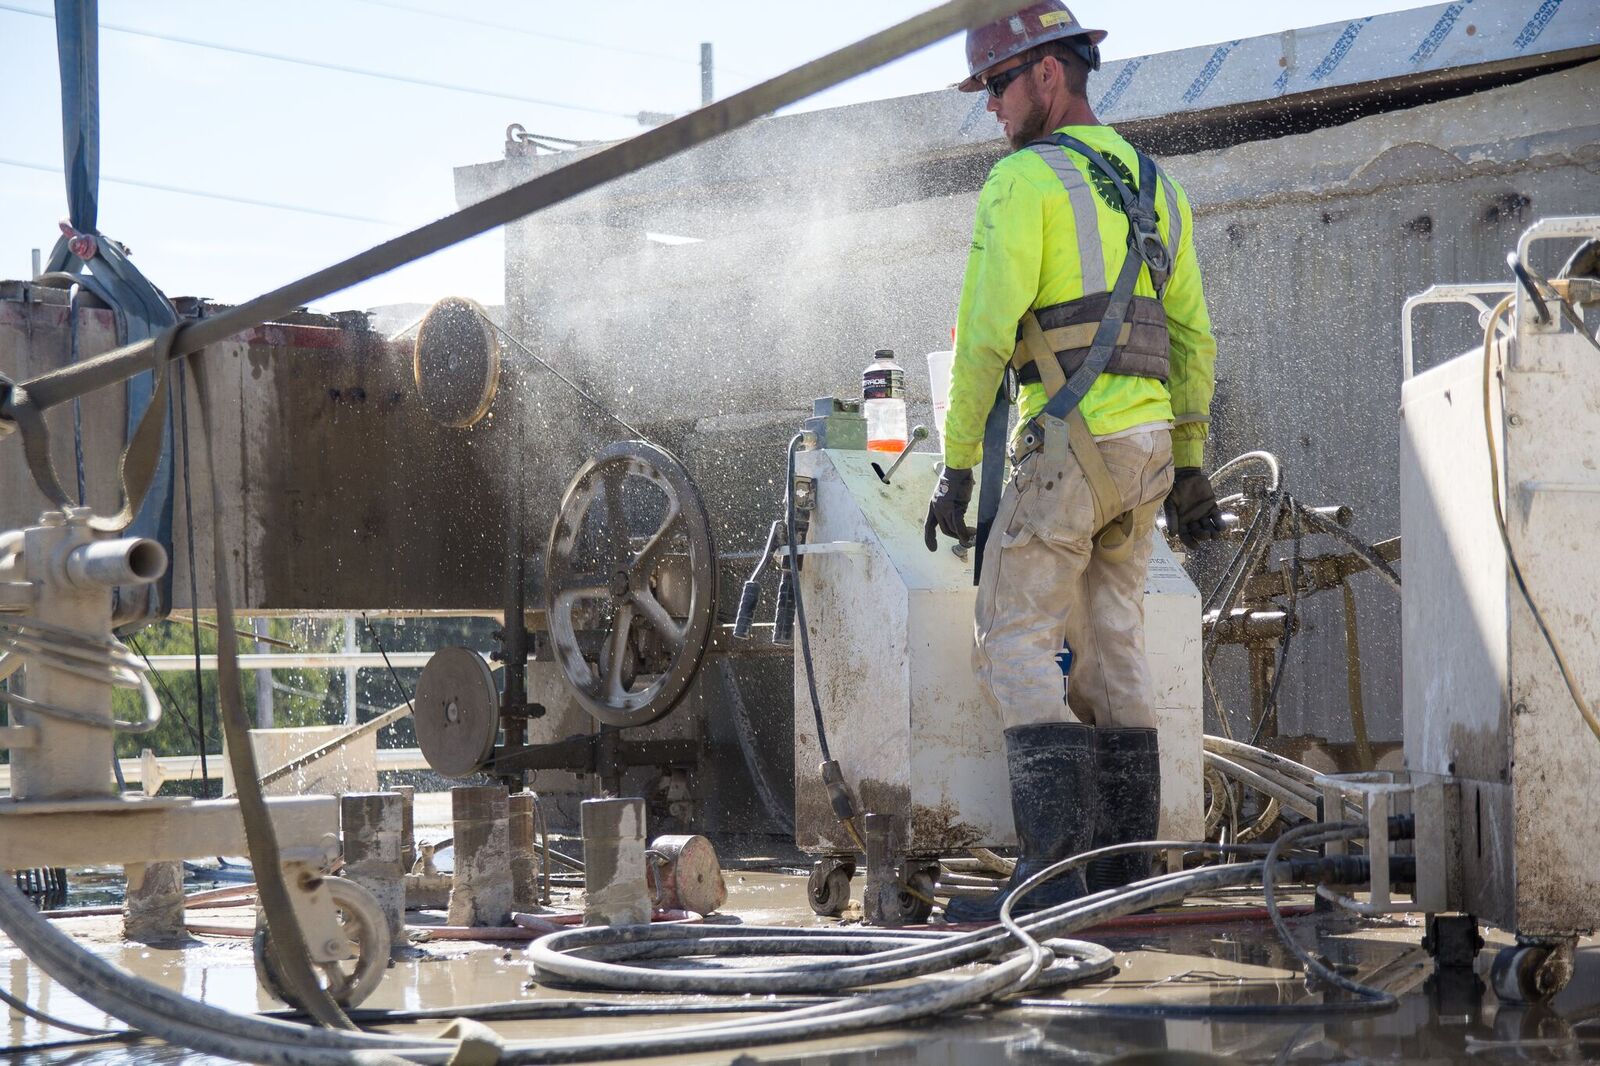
[(140, 309), (1145, 250)]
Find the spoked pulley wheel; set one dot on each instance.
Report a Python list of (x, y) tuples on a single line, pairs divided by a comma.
[(630, 584)]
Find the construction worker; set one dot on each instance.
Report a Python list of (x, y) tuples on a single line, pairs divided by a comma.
[(1082, 279)]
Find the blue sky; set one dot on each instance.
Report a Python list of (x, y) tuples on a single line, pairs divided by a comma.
[(380, 152)]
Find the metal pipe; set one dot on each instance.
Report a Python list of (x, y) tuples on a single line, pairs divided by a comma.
[(109, 563)]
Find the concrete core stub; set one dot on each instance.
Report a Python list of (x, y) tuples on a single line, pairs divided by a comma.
[(372, 826), (615, 892), (524, 864), (481, 890), (153, 910)]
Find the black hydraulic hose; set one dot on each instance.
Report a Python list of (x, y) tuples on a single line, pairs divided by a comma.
[(800, 603), (1376, 998)]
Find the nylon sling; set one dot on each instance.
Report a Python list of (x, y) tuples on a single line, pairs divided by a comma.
[(1145, 249)]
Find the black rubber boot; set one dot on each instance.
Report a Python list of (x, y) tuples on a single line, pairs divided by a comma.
[(1128, 769), (1052, 773)]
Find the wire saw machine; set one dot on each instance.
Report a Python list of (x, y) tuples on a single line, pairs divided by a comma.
[(1499, 499), (891, 655)]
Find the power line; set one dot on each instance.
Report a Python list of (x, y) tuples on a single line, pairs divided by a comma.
[(340, 68), (459, 18), (228, 197)]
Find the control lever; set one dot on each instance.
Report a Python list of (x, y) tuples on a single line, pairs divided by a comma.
[(918, 435)]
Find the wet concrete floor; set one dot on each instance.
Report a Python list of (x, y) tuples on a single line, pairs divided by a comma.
[(1440, 1019)]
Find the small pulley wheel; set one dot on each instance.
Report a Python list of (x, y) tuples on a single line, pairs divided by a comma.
[(456, 362), (630, 584), (366, 933), (457, 712)]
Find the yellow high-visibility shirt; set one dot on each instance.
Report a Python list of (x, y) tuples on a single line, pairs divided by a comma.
[(1044, 238)]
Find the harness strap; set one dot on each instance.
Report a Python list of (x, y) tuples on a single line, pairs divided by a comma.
[(1035, 347), (1102, 487), (1145, 250)]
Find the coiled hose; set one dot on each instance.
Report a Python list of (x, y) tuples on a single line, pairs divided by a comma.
[(104, 660)]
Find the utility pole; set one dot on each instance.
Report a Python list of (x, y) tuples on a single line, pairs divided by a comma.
[(706, 95)]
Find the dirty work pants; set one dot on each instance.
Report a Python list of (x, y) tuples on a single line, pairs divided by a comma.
[(1046, 583)]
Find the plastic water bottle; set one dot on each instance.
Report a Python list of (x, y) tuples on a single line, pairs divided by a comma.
[(883, 395)]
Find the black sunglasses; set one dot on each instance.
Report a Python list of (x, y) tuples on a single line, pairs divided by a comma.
[(998, 84)]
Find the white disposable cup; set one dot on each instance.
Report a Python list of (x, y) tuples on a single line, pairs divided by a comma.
[(939, 364)]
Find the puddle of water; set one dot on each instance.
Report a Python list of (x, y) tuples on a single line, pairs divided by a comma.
[(1220, 964)]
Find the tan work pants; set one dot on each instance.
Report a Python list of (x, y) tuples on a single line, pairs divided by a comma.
[(1048, 581)]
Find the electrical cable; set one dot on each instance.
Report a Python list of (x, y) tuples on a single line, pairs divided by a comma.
[(455, 17), (15, 1051), (1582, 704), (161, 682), (799, 601), (1327, 974), (339, 68), (205, 195), (840, 798), (199, 1025)]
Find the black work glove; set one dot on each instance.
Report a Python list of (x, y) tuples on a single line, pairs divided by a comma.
[(947, 510), (1192, 511)]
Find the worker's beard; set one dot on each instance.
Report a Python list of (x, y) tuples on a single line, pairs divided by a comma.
[(1035, 121)]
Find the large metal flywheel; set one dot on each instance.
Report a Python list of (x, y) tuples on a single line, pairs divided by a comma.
[(630, 584)]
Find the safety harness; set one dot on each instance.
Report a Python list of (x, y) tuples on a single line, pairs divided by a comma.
[(1067, 346)]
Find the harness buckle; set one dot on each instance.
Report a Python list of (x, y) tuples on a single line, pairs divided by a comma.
[(1030, 440), (1147, 243)]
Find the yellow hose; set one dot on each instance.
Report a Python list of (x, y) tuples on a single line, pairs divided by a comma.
[(1495, 318)]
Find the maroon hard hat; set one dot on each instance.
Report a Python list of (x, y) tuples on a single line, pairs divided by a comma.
[(993, 43)]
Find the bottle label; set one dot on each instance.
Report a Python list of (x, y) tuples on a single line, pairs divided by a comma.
[(887, 383)]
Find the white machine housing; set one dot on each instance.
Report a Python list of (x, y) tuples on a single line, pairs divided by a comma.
[(891, 628), (1506, 772)]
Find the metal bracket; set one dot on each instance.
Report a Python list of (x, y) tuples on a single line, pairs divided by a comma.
[(1374, 792), (303, 871)]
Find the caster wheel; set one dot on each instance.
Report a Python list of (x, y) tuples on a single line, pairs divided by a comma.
[(828, 889), (915, 907), (1530, 973), (367, 938)]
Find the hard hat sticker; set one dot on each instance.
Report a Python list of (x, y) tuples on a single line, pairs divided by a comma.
[(1050, 18)]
